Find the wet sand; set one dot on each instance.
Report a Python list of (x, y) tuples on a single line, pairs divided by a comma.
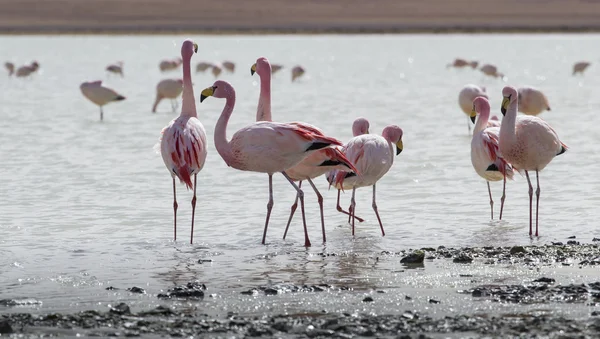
[(288, 16)]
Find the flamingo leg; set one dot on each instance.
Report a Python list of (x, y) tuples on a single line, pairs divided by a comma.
[(320, 200), (101, 114), (491, 200), (292, 211), (503, 197), (530, 201), (174, 212), (377, 213), (340, 209), (193, 210), (352, 208), (537, 201), (301, 197), (269, 207)]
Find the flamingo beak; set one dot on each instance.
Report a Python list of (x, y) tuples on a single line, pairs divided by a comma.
[(473, 114), (399, 147), (505, 103), (207, 92), (253, 69), (195, 48)]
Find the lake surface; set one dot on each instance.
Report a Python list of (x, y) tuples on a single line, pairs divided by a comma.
[(86, 204)]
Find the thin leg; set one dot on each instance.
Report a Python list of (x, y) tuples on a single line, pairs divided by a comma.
[(174, 212), (377, 213), (301, 197), (537, 201), (101, 114), (503, 197), (292, 211), (340, 209), (269, 207), (530, 201), (352, 208), (491, 200), (193, 210), (320, 200)]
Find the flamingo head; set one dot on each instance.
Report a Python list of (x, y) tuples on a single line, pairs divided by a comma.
[(188, 48), (262, 67), (220, 89), (360, 126), (480, 104), (393, 134), (510, 95)]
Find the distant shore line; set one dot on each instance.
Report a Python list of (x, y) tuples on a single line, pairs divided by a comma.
[(162, 30)]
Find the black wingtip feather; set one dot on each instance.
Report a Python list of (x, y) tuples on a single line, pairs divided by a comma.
[(493, 168)]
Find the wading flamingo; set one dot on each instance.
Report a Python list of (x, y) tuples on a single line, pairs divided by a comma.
[(168, 89), (580, 67), (491, 70), (183, 141), (297, 72), (373, 156), (461, 63), (169, 65), (265, 147), (229, 66), (532, 101), (116, 68), (98, 94), (314, 165), (203, 66), (275, 68), (485, 156), (10, 67), (27, 70), (216, 70), (528, 143), (465, 99)]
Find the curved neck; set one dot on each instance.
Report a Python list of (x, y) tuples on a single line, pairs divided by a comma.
[(507, 129), (188, 103), (263, 111), (482, 120), (221, 143)]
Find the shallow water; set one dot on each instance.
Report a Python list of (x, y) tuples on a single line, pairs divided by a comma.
[(86, 204)]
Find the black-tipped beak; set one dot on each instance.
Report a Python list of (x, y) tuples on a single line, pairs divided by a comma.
[(398, 150), (399, 147), (503, 110), (473, 119), (251, 72), (202, 97)]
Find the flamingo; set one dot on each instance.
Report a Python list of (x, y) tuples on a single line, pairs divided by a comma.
[(297, 72), (10, 67), (216, 70), (229, 66), (485, 157), (528, 143), (314, 165), (580, 67), (373, 156), (203, 66), (116, 68), (460, 63), (465, 99), (98, 94), (183, 140), (169, 65), (170, 89), (27, 70), (532, 101), (265, 147), (276, 68), (491, 70)]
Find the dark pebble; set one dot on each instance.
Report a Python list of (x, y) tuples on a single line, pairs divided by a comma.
[(367, 299), (250, 292), (518, 249), (270, 291), (136, 289), (596, 239), (380, 291), (414, 258), (5, 327), (572, 237), (111, 288), (595, 313), (121, 308), (407, 298), (202, 261), (433, 301), (191, 290), (463, 258), (557, 243), (545, 280), (573, 242)]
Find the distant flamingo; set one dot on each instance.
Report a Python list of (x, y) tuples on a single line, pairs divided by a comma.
[(216, 70), (485, 157), (297, 72), (314, 165), (10, 67), (27, 70), (373, 156), (183, 141), (229, 66), (491, 70), (265, 147), (169, 65), (169, 89), (98, 94), (493, 122), (528, 143), (203, 66), (532, 101), (275, 68), (580, 67), (465, 99), (116, 68), (460, 63)]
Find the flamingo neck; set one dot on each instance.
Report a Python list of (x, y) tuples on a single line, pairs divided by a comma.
[(221, 143), (263, 111), (482, 121), (507, 129), (188, 103)]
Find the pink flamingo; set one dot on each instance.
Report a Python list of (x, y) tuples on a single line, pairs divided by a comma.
[(528, 143), (297, 72), (314, 165), (116, 68), (100, 95), (27, 70), (265, 147), (373, 156), (485, 156), (183, 141), (169, 65), (10, 67), (460, 63), (532, 101), (580, 67), (169, 89), (465, 99), (229, 66)]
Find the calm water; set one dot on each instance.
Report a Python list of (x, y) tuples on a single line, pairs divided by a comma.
[(87, 204)]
